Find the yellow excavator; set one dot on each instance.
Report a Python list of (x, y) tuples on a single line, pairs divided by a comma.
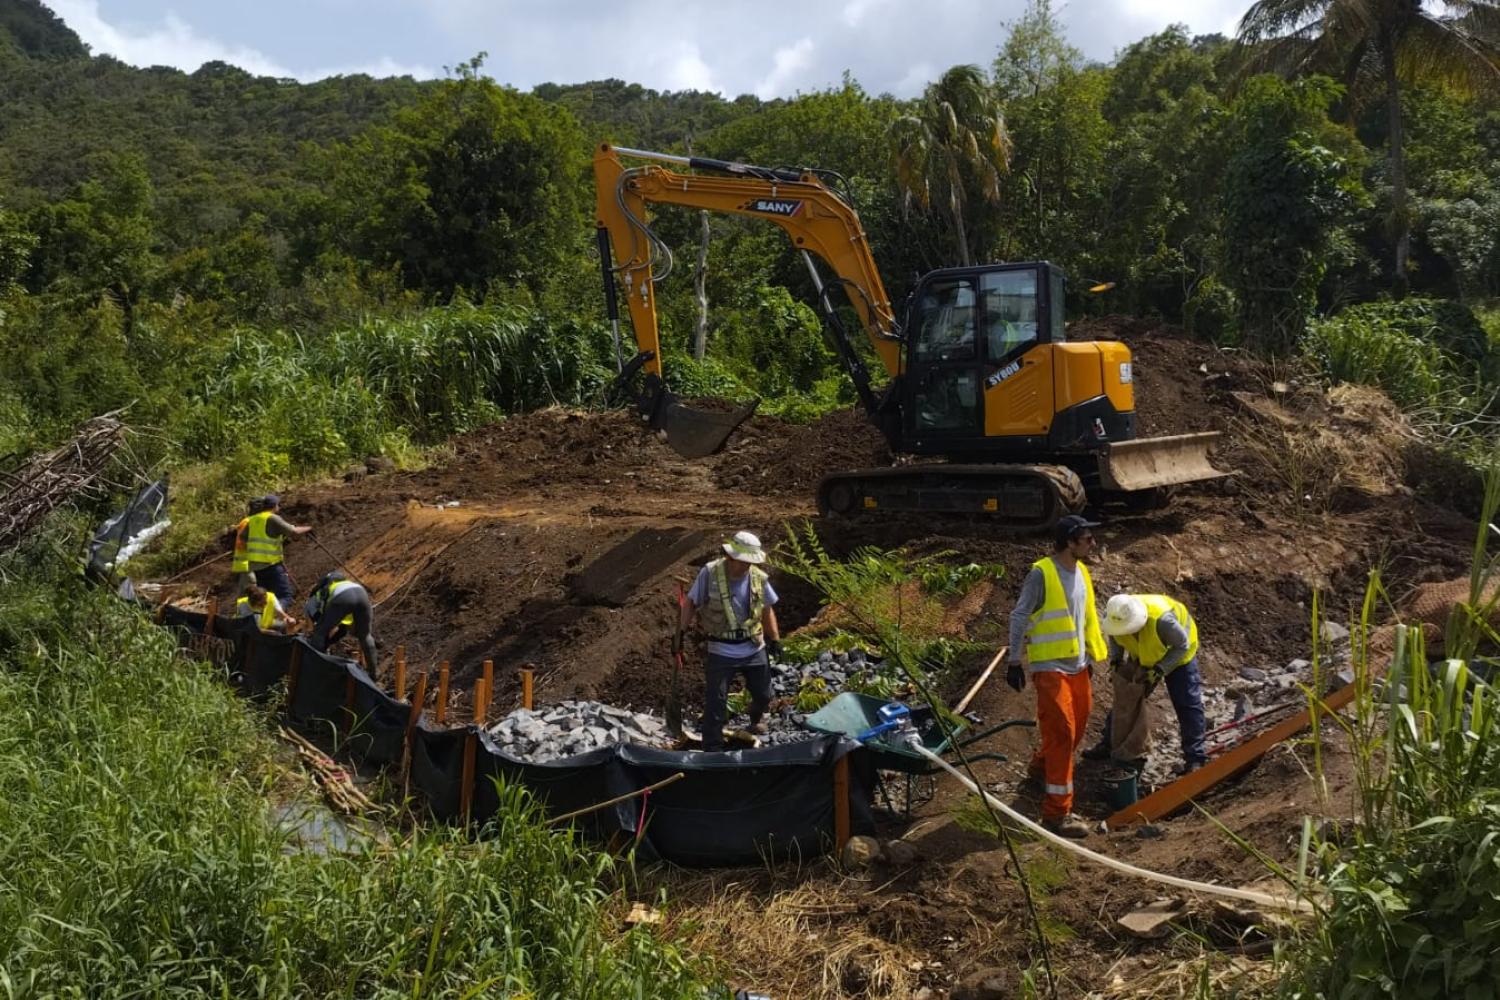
[(1014, 420)]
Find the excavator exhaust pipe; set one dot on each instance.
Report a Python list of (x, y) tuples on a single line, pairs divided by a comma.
[(691, 432), (1152, 463)]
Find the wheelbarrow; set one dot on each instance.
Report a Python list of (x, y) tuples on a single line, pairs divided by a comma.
[(852, 714)]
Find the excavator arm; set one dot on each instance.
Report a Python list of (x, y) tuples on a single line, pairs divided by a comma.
[(817, 220)]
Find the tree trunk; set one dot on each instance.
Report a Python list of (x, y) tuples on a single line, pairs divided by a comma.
[(1400, 214), (700, 290)]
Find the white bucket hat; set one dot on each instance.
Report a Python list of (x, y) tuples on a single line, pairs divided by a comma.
[(1123, 615), (746, 548)]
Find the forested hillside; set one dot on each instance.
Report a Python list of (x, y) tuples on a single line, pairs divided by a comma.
[(250, 229)]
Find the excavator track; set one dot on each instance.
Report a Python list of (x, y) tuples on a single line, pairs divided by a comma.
[(1023, 497)]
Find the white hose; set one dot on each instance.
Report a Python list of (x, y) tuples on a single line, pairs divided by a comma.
[(1259, 898)]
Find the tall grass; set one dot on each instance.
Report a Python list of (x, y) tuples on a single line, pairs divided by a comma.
[(1413, 891), (138, 856)]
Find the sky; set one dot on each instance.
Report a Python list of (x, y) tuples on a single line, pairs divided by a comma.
[(729, 46)]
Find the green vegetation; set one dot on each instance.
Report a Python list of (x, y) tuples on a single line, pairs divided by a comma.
[(1412, 908), (142, 857)]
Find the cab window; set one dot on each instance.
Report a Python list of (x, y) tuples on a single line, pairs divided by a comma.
[(1010, 312), (946, 322)]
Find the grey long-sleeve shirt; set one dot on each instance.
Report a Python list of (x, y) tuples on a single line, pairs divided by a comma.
[(1172, 635), (1033, 593)]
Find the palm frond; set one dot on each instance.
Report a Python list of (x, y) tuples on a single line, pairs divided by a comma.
[(1275, 18), (1438, 51)]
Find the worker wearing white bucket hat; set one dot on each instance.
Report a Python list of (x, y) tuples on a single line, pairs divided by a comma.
[(1152, 638), (735, 603)]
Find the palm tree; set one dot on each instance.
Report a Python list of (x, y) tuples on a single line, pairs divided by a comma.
[(954, 142), (1377, 46)]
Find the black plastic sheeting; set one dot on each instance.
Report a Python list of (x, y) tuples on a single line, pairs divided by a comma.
[(739, 807), (144, 510)]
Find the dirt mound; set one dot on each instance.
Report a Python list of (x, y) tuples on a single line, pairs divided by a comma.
[(773, 456)]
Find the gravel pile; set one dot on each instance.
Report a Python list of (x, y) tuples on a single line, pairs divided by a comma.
[(574, 727)]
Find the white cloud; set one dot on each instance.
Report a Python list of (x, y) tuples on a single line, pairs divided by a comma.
[(684, 69), (787, 64), (174, 42)]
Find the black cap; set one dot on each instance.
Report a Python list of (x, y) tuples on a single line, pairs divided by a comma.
[(269, 501), (1068, 527)]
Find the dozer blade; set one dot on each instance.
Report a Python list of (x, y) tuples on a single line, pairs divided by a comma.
[(692, 433), (1149, 463)]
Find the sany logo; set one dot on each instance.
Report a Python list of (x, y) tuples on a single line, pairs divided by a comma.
[(775, 206)]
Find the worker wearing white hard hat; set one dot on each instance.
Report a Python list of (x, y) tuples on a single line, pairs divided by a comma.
[(1151, 638), (734, 603)]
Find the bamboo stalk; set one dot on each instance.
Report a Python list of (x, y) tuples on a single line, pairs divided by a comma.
[(964, 703), (663, 783)]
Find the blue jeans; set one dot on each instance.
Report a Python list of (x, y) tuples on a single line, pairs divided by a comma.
[(275, 579), (718, 671)]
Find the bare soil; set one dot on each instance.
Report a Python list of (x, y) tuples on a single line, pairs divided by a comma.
[(557, 540)]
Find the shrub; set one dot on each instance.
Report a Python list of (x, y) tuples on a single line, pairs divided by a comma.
[(1210, 311)]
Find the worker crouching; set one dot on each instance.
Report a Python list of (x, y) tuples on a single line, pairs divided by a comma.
[(1055, 625), (734, 602), (262, 605), (339, 605), (1151, 638)]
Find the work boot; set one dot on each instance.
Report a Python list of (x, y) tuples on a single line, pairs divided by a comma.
[(1070, 826), (1189, 766), (1099, 751), (758, 727)]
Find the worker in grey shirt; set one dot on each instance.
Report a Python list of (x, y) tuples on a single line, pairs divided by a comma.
[(1152, 638), (1055, 629)]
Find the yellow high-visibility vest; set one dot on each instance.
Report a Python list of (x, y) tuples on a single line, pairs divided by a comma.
[(1146, 646), (267, 613), (1053, 633), (333, 588), (260, 546), (720, 623), (241, 558)]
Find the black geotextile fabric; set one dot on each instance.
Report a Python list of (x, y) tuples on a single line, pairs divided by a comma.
[(740, 807), (143, 510)]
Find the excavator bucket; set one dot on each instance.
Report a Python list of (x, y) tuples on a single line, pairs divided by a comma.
[(692, 433), (1150, 463)]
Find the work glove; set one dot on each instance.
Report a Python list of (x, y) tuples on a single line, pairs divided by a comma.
[(1015, 676), (773, 649)]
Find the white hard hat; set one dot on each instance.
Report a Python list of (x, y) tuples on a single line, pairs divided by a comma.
[(745, 547), (1125, 614)]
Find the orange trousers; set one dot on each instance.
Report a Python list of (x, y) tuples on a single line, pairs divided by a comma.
[(1063, 703)]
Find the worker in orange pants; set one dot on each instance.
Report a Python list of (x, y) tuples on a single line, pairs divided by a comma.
[(1054, 630), (1063, 703)]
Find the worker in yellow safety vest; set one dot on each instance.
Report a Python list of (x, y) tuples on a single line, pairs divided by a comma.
[(1152, 638), (734, 602), (339, 605), (1054, 630), (262, 605), (266, 532)]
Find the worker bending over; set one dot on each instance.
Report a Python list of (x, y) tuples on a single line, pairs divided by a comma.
[(265, 534), (735, 604), (262, 605), (337, 606), (1056, 624), (1151, 638)]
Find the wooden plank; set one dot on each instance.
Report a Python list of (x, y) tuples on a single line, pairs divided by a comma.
[(964, 703), (1171, 797)]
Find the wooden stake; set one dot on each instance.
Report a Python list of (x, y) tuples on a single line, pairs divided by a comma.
[(482, 702), (213, 612), (841, 803), (442, 694), (411, 724), (959, 708), (526, 686), (471, 746), (400, 673)]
